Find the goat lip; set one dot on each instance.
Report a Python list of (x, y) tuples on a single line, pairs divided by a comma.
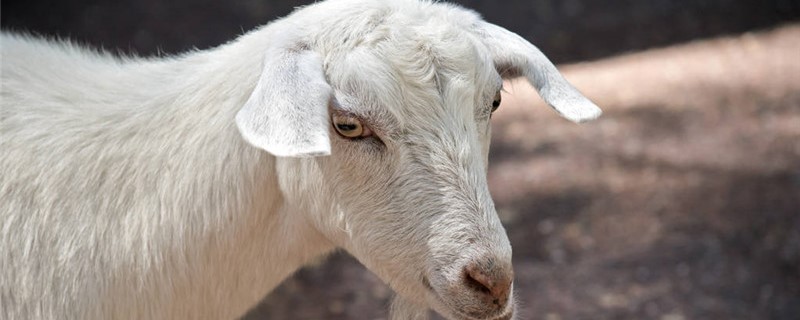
[(508, 314), (504, 316), (455, 314)]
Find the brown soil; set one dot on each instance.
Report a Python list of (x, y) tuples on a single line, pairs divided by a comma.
[(681, 202)]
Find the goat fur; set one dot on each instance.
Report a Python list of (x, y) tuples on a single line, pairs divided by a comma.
[(138, 188)]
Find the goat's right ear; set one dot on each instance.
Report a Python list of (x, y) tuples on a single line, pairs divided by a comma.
[(287, 113)]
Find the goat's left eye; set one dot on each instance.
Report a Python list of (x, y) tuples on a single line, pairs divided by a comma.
[(350, 127), (496, 101)]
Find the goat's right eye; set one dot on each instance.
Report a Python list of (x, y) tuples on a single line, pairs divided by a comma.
[(350, 127)]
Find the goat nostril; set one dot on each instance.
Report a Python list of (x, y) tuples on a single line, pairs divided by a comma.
[(426, 283), (492, 282), (481, 285)]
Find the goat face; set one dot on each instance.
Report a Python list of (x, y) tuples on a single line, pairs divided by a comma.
[(398, 96), (410, 136)]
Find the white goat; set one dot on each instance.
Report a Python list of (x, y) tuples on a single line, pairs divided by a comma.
[(128, 191)]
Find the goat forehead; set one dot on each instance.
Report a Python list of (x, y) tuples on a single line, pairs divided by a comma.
[(417, 75), (411, 86)]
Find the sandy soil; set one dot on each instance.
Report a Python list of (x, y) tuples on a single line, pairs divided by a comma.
[(681, 202)]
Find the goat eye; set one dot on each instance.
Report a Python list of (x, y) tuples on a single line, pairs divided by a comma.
[(350, 127), (496, 101)]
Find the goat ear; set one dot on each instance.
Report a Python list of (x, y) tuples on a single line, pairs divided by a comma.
[(514, 56), (287, 113)]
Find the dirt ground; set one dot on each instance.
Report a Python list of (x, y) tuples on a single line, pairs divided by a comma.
[(681, 202)]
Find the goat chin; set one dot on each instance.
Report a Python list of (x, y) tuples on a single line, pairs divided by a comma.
[(190, 186)]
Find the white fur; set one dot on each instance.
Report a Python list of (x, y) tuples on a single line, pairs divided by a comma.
[(131, 189)]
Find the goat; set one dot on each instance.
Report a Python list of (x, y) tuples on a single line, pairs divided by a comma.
[(190, 186)]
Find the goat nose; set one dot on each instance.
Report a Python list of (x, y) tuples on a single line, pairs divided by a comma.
[(490, 281)]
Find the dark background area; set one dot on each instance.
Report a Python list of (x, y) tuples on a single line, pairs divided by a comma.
[(681, 202), (566, 30)]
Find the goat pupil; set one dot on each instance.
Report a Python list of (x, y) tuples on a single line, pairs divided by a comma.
[(346, 126)]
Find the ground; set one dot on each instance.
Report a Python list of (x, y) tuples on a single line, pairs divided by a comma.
[(681, 202)]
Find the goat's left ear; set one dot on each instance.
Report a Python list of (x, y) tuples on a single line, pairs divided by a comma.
[(287, 113), (516, 57)]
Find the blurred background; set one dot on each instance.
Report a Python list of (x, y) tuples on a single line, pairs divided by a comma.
[(681, 202)]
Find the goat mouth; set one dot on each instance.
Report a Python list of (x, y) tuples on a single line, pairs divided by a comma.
[(459, 314), (507, 315), (456, 314)]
